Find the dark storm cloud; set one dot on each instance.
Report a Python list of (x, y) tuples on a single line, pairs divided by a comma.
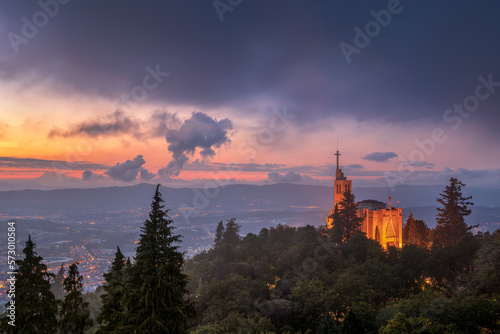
[(10, 162), (126, 171), (379, 156), (199, 131), (426, 59)]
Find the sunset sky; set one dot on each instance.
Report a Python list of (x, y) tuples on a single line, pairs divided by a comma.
[(100, 93)]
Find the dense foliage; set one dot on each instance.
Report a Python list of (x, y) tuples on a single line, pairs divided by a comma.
[(321, 280), (299, 280)]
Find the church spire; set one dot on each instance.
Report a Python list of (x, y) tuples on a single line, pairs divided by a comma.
[(341, 184), (338, 173)]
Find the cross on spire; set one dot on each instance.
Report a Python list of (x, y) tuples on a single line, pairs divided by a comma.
[(338, 155)]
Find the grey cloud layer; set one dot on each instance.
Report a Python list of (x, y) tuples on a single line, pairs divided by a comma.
[(425, 60), (288, 177), (10, 162), (380, 156), (120, 123)]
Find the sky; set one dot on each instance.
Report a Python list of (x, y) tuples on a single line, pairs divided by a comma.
[(196, 94)]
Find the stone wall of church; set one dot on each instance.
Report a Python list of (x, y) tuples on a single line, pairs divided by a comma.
[(384, 226)]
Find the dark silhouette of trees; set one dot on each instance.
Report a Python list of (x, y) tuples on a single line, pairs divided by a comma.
[(35, 304), (155, 297), (112, 308), (231, 234), (416, 232), (346, 222), (302, 281), (74, 314), (58, 284), (218, 234), (336, 231), (486, 280), (451, 225)]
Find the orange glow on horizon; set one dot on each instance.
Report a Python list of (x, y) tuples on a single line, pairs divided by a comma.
[(191, 175)]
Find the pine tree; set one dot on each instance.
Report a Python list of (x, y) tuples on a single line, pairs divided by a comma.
[(112, 309), (36, 306), (58, 284), (346, 222), (156, 298), (231, 234), (415, 232), (451, 225), (337, 230), (74, 314), (218, 234)]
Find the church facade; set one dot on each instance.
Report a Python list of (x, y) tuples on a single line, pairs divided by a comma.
[(381, 222)]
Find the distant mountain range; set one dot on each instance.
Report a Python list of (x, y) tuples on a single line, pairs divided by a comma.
[(241, 200)]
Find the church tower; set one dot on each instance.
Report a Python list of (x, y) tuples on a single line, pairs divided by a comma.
[(341, 183), (380, 222)]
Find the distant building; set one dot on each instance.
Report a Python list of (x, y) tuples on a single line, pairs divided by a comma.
[(381, 222)]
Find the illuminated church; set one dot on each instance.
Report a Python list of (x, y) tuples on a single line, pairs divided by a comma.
[(381, 222)]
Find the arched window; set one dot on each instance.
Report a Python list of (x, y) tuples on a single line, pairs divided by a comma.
[(377, 235)]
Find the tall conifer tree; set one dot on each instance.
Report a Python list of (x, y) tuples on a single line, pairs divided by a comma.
[(156, 298), (112, 309), (346, 222), (218, 234), (36, 306), (74, 315), (58, 284), (231, 234), (451, 225), (415, 232), (337, 230)]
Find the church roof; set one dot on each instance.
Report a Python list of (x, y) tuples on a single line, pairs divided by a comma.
[(370, 201)]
